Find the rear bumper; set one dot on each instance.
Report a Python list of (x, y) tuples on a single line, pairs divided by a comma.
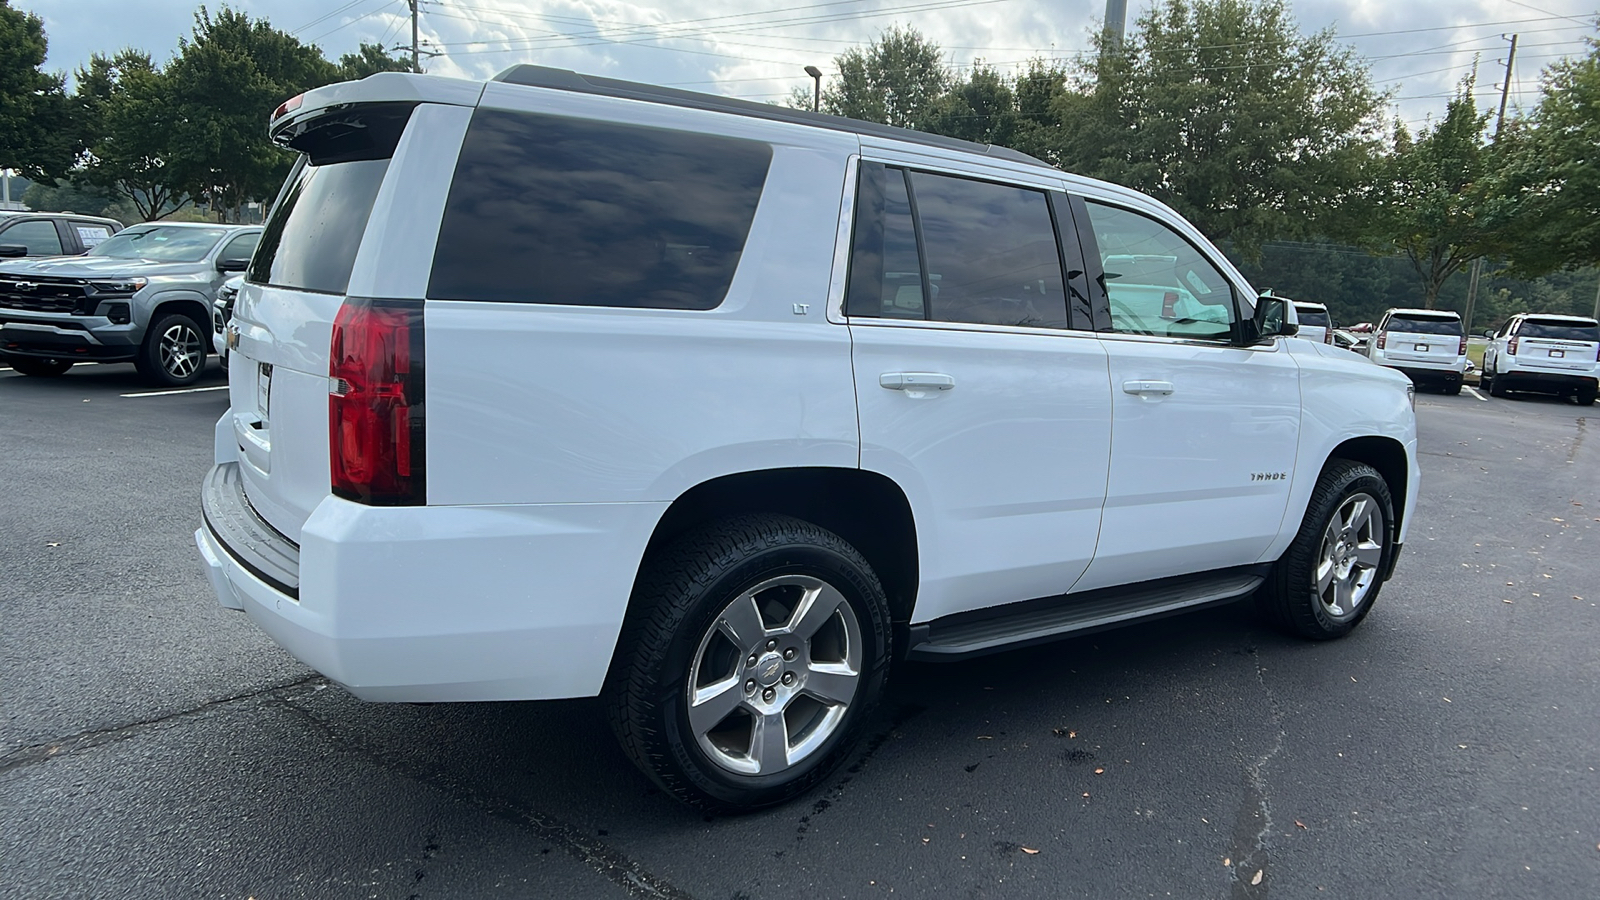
[(1428, 374), (433, 604), (1551, 382)]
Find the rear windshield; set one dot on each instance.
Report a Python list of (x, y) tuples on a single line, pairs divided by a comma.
[(1420, 325), (1314, 317), (163, 243), (1558, 330), (315, 228), (549, 209)]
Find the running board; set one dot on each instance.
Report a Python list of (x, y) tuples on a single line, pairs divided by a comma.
[(1037, 621)]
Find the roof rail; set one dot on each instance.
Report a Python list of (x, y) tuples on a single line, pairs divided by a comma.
[(568, 80)]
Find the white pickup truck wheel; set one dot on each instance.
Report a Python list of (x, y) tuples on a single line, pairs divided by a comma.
[(759, 649), (1327, 581)]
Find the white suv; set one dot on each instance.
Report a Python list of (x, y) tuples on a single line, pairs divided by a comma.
[(560, 386), (1316, 325), (1547, 353), (1428, 345)]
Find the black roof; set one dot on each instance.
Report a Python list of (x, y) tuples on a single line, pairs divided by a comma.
[(568, 80)]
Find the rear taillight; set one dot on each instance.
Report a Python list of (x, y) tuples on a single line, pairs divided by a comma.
[(1327, 336), (1382, 336), (375, 409), (1462, 350), (1511, 346)]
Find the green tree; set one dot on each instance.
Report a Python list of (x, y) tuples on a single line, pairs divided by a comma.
[(894, 81), (1225, 111), (1553, 172), (75, 194), (34, 138), (370, 59), (1438, 199), (127, 117), (225, 82), (981, 107)]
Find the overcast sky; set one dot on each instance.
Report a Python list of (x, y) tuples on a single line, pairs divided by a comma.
[(757, 49)]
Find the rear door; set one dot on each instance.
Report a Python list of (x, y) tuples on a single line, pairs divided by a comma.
[(973, 393), (312, 254)]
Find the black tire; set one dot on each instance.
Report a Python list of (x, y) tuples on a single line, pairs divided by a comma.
[(1291, 598), (162, 361), (683, 599), (1585, 398), (1486, 380), (1497, 387), (40, 368), (1452, 389)]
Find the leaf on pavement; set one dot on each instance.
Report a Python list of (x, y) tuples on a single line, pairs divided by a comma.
[(1030, 851), (1299, 824), (1259, 873)]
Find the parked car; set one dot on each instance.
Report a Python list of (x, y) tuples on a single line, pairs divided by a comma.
[(52, 234), (682, 401), (1428, 345), (1546, 353), (222, 314), (143, 296), (1350, 340), (1316, 325)]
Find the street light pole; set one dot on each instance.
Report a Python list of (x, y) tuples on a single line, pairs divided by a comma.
[(816, 93)]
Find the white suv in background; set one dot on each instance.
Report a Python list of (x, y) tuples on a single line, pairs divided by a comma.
[(1428, 345), (1316, 325), (1546, 353), (560, 386)]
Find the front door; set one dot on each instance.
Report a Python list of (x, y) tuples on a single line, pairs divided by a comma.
[(973, 393), (1204, 432)]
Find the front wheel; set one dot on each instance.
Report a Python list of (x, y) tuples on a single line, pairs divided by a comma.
[(751, 663), (41, 368), (174, 351), (1327, 581)]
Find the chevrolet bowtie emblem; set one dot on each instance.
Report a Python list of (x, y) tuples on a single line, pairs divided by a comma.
[(27, 286), (233, 336)]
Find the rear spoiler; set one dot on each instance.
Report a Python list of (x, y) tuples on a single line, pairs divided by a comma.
[(298, 113)]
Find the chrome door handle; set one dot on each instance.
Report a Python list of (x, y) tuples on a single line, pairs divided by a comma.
[(1160, 388), (916, 382)]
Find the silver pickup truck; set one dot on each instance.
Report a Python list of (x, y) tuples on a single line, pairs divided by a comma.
[(143, 296)]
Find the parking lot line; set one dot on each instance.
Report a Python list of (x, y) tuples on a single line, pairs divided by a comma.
[(217, 387), (1476, 394)]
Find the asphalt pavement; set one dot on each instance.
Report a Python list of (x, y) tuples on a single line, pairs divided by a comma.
[(153, 744)]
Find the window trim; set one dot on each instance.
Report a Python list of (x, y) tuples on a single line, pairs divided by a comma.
[(1103, 297), (845, 245)]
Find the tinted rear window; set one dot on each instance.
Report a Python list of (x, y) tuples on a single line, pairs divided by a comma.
[(315, 228), (1557, 330), (1313, 317), (549, 209), (1420, 325)]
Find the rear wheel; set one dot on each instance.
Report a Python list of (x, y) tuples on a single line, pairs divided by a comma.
[(1327, 581), (1586, 396), (174, 351), (756, 653), (41, 368), (1452, 388)]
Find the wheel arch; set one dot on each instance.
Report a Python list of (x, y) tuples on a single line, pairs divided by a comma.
[(866, 509), (1385, 454), (187, 303)]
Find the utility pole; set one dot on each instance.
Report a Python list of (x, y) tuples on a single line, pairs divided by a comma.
[(1116, 18), (418, 68), (1499, 122)]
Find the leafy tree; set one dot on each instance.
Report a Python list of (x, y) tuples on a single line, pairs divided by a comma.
[(981, 107), (33, 113), (225, 83), (1225, 111), (894, 81), (1438, 200), (370, 59), (127, 117), (1553, 172), (1043, 104), (76, 194)]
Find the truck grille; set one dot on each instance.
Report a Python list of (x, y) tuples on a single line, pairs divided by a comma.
[(57, 295)]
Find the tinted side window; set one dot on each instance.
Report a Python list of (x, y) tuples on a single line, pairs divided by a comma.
[(548, 209), (1158, 282), (39, 237), (241, 247), (991, 253), (885, 272), (311, 238)]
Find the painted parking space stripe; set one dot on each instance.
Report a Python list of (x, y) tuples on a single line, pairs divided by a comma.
[(218, 387), (1474, 393)]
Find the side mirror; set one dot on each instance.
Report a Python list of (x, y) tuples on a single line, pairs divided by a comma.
[(232, 265), (1271, 320), (12, 251), (1489, 333)]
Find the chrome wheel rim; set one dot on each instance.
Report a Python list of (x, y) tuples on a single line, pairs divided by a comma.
[(774, 675), (1352, 549), (180, 350)]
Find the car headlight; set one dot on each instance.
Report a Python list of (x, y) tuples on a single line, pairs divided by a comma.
[(120, 286)]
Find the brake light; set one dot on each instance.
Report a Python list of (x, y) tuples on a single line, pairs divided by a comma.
[(375, 410), (1511, 346), (1382, 335), (1327, 336), (287, 106), (1462, 350)]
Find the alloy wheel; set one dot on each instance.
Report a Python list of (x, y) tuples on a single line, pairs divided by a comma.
[(1352, 550), (181, 351)]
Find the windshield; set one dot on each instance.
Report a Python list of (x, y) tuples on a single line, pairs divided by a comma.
[(163, 243), (1559, 330), (1421, 325)]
